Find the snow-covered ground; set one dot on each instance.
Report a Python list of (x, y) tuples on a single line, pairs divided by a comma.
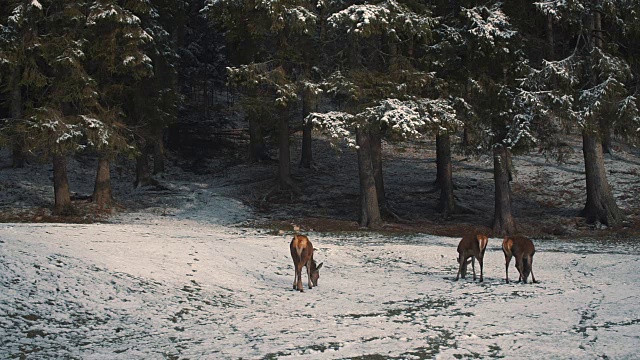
[(181, 274), (175, 287)]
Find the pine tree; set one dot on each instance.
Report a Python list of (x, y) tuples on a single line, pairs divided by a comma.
[(118, 62), (53, 118), (591, 87), (18, 42), (486, 45), (270, 63), (380, 86)]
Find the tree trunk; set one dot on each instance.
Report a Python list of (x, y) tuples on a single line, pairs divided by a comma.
[(18, 157), (437, 183), (510, 164), (257, 150), (102, 195), (205, 96), (465, 138), (601, 205), (158, 154), (307, 155), (551, 53), (61, 191), (375, 138), (444, 177), (143, 173), (605, 130), (503, 221), (284, 152), (369, 209), (597, 41)]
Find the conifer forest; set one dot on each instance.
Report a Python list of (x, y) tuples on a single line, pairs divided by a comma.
[(136, 79)]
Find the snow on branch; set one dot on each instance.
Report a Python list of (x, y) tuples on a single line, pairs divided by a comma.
[(280, 14), (564, 73), (596, 99), (388, 17), (402, 117), (336, 124), (100, 12), (559, 9), (606, 65), (628, 110), (489, 24)]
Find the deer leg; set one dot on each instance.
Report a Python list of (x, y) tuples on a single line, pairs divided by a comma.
[(519, 267), (309, 278), (460, 262), (473, 267), (295, 276), (507, 260), (480, 261), (299, 274), (533, 278)]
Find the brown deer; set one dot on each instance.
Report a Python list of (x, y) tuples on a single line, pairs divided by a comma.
[(522, 248), (302, 254), (471, 246)]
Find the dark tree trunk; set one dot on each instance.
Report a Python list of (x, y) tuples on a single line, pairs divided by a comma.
[(205, 96), (605, 130), (307, 155), (18, 157), (143, 172), (503, 222), (595, 26), (102, 195), (437, 183), (369, 209), (444, 177), (158, 154), (550, 38), (61, 191), (465, 138), (284, 152), (375, 138), (510, 164), (601, 205), (257, 150)]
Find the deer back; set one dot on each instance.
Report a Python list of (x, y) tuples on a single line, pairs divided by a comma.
[(473, 244), (301, 249), (518, 246)]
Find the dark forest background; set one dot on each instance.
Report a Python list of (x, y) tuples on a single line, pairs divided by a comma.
[(133, 79)]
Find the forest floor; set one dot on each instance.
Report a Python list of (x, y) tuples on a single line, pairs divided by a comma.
[(198, 266), (547, 195)]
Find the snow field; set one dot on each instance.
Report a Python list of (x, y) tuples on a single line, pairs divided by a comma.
[(178, 288)]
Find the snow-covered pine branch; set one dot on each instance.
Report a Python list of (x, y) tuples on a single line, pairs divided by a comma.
[(387, 17), (337, 125), (490, 26)]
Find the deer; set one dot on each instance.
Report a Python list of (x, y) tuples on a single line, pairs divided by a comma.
[(302, 254), (522, 248), (471, 246)]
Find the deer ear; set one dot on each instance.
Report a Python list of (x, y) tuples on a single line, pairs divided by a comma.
[(319, 266)]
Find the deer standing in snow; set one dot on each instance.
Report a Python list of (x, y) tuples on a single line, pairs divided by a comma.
[(471, 246), (522, 248), (302, 254)]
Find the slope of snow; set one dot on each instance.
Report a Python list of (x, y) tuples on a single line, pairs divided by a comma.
[(170, 287)]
